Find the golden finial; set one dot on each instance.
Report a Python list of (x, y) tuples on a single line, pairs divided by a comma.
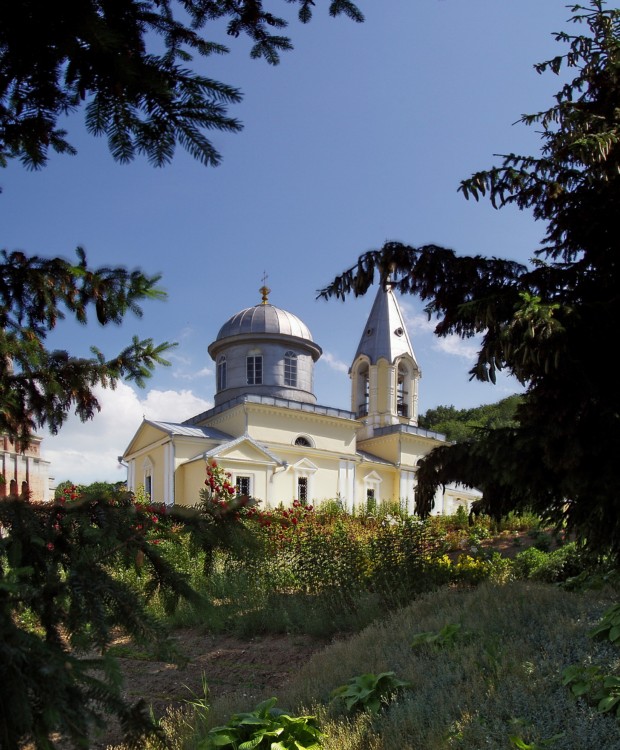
[(264, 290)]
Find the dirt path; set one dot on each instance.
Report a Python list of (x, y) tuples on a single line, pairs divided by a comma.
[(227, 664)]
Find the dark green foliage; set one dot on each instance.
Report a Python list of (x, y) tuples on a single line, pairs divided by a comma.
[(129, 63), (369, 692), (39, 387), (62, 603), (265, 728), (457, 424), (401, 557), (547, 323)]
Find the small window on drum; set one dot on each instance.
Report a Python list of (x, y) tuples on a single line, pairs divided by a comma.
[(301, 440), (254, 369), (221, 373), (290, 369)]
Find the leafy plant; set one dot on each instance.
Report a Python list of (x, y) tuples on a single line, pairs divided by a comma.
[(597, 688), (540, 745), (369, 691), (609, 626), (444, 637), (265, 728)]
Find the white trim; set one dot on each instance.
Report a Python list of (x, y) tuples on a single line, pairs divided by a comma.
[(372, 481), (304, 469), (169, 473), (346, 484), (407, 490)]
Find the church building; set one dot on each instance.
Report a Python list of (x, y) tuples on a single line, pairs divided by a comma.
[(279, 445)]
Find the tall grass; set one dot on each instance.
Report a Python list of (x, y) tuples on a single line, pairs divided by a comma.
[(326, 572), (383, 580), (501, 679)]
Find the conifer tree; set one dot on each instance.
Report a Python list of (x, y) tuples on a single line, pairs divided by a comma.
[(128, 63), (552, 323)]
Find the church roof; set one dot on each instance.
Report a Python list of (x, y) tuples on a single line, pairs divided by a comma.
[(385, 334), (184, 430), (264, 318)]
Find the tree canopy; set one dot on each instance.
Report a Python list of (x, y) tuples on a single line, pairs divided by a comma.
[(39, 387), (550, 323), (457, 424), (130, 63)]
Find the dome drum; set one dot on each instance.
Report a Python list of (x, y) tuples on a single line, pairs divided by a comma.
[(265, 351)]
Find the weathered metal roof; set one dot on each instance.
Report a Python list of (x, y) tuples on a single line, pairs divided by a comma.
[(184, 430), (264, 318), (385, 335)]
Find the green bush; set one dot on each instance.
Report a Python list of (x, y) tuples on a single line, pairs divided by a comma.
[(549, 567)]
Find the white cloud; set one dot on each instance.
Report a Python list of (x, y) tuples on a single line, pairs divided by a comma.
[(457, 347), (419, 325), (203, 373), (86, 452), (334, 363), (416, 322)]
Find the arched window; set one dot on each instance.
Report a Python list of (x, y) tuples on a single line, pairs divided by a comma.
[(147, 473), (301, 440), (221, 373), (402, 394), (363, 391), (254, 368), (290, 369)]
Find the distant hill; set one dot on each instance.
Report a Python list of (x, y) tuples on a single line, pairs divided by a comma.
[(457, 424)]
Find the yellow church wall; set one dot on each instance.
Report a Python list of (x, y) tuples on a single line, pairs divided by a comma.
[(384, 480), (232, 421), (402, 448), (283, 426), (189, 480), (385, 447), (322, 482), (152, 461), (145, 437), (385, 386), (413, 449)]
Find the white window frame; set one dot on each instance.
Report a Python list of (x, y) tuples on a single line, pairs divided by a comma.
[(221, 373), (148, 468), (254, 356), (304, 469), (245, 475), (373, 482), (290, 369)]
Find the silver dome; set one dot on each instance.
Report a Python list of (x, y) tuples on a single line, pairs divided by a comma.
[(264, 318)]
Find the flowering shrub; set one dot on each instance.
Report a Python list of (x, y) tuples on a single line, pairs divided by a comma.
[(224, 512), (219, 499)]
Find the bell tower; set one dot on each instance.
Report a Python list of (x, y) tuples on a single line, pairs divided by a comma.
[(385, 373)]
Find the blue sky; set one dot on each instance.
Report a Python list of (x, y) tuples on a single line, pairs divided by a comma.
[(361, 135)]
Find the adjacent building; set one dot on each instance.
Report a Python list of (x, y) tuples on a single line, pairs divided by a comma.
[(23, 471)]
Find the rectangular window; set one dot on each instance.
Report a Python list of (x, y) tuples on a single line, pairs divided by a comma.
[(371, 501), (221, 375), (302, 490), (255, 370), (243, 485), (290, 369)]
